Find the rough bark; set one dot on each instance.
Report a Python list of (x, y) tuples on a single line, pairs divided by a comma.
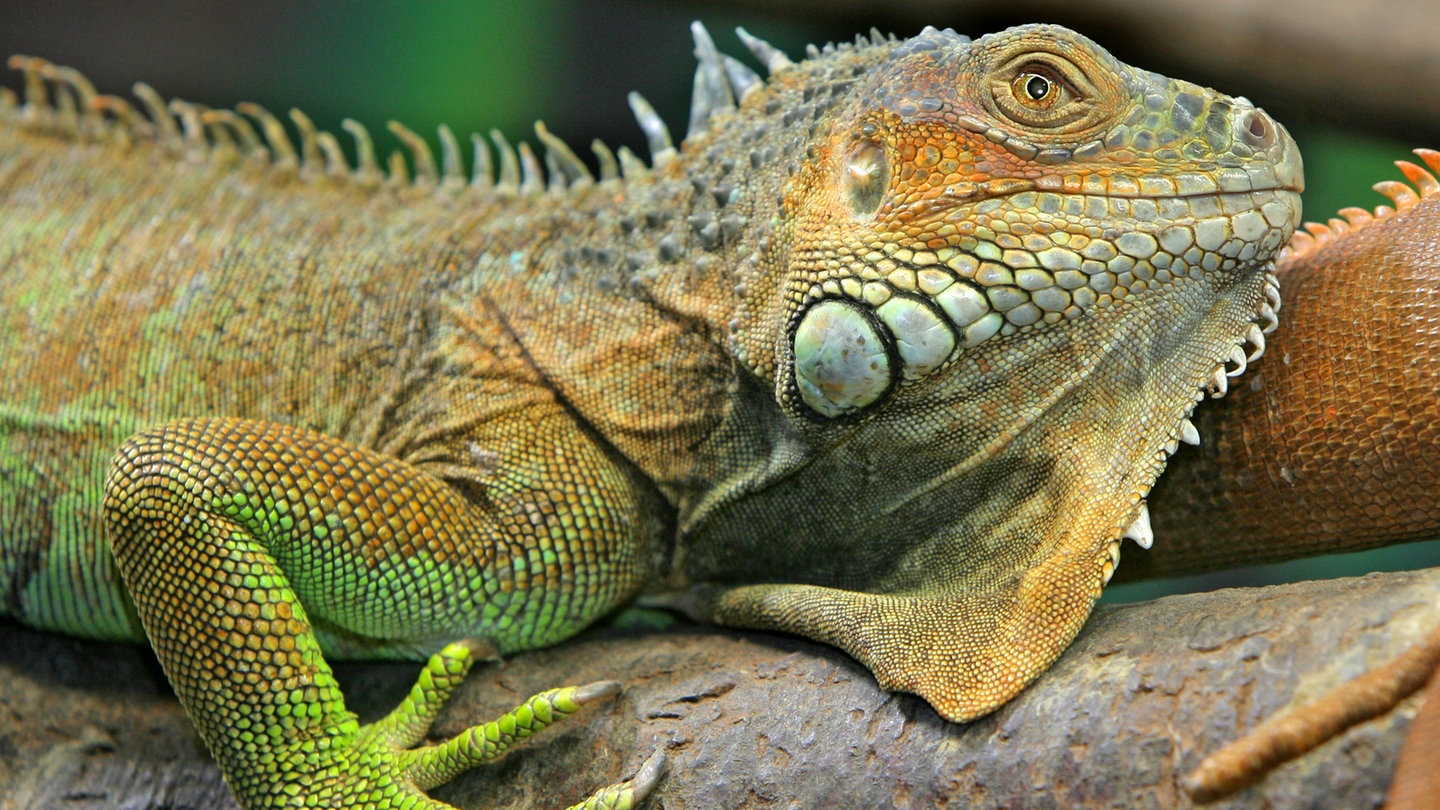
[(752, 720)]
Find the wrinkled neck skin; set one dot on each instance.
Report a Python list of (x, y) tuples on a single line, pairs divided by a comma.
[(1049, 439)]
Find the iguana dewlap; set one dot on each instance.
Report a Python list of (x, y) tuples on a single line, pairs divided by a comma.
[(889, 356)]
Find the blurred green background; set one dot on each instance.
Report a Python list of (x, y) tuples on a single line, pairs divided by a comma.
[(477, 65), (506, 63)]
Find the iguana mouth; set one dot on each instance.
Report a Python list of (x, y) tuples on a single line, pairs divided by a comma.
[(894, 313), (1157, 187)]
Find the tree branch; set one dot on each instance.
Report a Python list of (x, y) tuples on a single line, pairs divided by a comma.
[(754, 720)]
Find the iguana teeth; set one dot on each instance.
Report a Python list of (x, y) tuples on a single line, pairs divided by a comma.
[(711, 93), (1188, 433), (1237, 356), (772, 57), (657, 135), (1219, 383), (1140, 530), (1272, 321), (1256, 336)]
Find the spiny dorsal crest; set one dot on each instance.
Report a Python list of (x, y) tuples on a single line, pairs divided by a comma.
[(1317, 235), (61, 100)]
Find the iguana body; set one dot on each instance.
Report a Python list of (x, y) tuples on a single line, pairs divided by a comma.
[(421, 413), (1337, 437), (1327, 444)]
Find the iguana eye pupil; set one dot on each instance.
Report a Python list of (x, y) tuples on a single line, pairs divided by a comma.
[(1036, 87)]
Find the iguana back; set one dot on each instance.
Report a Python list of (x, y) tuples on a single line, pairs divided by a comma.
[(152, 280), (157, 286)]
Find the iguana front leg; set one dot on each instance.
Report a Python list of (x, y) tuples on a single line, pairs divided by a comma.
[(239, 540)]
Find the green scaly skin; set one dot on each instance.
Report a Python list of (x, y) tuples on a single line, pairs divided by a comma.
[(967, 291)]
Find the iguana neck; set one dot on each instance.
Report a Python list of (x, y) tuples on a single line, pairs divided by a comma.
[(723, 196)]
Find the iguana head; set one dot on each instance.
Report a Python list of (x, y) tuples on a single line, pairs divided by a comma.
[(1002, 279), (977, 190)]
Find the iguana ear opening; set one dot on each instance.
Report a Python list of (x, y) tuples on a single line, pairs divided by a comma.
[(865, 178)]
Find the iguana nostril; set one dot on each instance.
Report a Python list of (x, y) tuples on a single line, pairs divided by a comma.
[(1258, 129)]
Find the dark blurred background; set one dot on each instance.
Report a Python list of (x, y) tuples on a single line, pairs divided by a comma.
[(1354, 80)]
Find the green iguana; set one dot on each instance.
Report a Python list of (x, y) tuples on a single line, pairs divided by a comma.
[(888, 354)]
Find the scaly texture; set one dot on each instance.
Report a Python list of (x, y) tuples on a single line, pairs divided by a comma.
[(1328, 443), (983, 369), (889, 353), (1338, 438)]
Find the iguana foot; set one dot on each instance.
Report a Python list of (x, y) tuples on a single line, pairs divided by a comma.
[(965, 650), (201, 514), (383, 770)]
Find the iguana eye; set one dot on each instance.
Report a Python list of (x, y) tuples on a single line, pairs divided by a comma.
[(1036, 89), (1042, 94)]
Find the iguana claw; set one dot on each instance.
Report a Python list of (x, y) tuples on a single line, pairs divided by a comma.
[(629, 793), (384, 771)]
